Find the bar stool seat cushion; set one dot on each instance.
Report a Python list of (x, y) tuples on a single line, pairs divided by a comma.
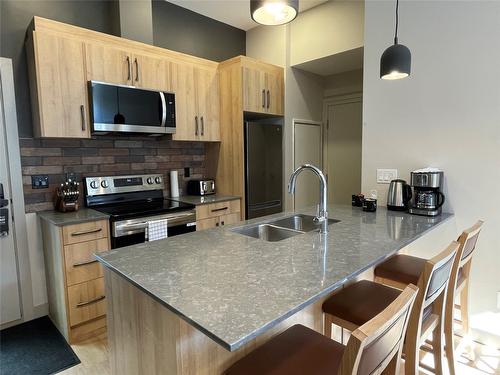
[(360, 302), (297, 351), (401, 268)]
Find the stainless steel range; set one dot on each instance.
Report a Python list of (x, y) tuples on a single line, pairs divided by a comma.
[(134, 201)]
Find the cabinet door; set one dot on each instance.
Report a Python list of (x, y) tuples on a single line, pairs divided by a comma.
[(229, 219), (207, 95), (107, 64), (274, 93), (151, 72), (61, 86), (254, 90), (207, 223), (187, 121)]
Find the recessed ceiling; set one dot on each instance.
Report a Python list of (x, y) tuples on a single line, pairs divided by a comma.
[(335, 64), (233, 12)]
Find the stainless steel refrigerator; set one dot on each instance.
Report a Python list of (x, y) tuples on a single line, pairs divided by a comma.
[(263, 168)]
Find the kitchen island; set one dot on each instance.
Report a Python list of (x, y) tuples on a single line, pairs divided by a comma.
[(194, 304)]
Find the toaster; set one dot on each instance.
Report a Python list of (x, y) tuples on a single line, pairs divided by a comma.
[(201, 187)]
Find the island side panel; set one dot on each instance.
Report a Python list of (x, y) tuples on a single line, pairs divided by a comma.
[(144, 337)]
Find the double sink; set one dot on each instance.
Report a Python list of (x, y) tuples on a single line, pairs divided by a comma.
[(281, 229)]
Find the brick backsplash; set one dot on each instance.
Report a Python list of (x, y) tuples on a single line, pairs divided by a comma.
[(104, 156)]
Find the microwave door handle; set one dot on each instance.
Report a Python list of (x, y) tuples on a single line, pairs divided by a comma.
[(163, 109)]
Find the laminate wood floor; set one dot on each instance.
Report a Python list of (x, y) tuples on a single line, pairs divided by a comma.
[(473, 359)]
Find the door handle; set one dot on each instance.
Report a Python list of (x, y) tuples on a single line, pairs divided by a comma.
[(202, 126), (82, 114), (95, 300), (129, 68), (136, 69), (268, 99), (196, 122), (83, 232), (85, 263), (263, 98), (219, 209)]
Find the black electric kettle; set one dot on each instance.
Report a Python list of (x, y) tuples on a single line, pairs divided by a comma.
[(399, 195)]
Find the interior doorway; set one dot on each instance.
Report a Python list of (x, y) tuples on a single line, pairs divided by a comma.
[(342, 146), (307, 148)]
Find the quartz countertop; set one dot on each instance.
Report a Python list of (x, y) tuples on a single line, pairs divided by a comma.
[(66, 218), (199, 200), (233, 287)]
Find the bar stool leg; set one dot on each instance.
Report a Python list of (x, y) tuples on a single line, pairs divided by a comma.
[(328, 326), (437, 348), (464, 304), (448, 336)]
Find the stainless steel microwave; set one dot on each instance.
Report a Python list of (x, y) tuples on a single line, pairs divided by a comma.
[(118, 108)]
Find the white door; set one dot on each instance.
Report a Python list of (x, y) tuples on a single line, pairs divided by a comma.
[(10, 308), (307, 149), (343, 149)]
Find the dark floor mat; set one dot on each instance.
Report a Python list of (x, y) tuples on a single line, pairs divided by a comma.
[(35, 347)]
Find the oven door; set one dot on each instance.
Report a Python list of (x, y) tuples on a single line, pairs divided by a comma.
[(129, 109), (133, 231)]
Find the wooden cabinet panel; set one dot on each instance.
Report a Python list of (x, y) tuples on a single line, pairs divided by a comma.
[(187, 121), (274, 93), (80, 262), (59, 80), (207, 96), (217, 209), (229, 219), (85, 232), (151, 72), (107, 64), (207, 223), (86, 301), (254, 90)]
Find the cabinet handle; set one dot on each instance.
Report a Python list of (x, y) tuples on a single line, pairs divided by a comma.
[(85, 263), (95, 300), (263, 98), (136, 69), (129, 69), (216, 224), (222, 222), (74, 234), (268, 99), (196, 122), (82, 114), (219, 209), (202, 126)]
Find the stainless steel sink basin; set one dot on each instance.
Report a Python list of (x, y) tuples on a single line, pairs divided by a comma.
[(303, 223), (267, 232), (281, 229)]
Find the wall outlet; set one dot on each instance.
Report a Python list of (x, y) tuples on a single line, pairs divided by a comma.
[(40, 182), (384, 176)]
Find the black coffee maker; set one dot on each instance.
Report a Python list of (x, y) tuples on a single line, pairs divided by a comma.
[(427, 196)]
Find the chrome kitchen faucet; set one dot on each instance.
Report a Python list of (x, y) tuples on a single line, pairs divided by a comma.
[(322, 213)]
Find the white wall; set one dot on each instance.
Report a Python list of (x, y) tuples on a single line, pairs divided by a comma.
[(447, 114), (343, 83)]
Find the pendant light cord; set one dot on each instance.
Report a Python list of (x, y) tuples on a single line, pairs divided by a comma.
[(397, 23)]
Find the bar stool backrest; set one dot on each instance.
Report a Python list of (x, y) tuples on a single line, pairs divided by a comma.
[(373, 346), (468, 240)]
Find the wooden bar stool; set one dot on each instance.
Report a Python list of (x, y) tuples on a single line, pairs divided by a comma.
[(353, 305), (373, 348), (401, 270)]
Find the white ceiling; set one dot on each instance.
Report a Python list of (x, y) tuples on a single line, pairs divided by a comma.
[(335, 64), (233, 12)]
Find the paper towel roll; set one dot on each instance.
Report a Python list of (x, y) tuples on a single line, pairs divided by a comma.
[(174, 184)]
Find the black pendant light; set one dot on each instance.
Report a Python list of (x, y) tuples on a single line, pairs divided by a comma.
[(395, 62), (274, 12)]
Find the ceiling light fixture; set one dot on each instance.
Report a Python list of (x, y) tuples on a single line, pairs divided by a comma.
[(274, 12), (395, 62)]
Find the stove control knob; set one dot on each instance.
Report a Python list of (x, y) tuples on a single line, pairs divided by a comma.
[(150, 180), (158, 180), (94, 184), (104, 184)]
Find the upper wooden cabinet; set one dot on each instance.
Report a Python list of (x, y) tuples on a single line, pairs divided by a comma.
[(58, 86), (63, 58), (262, 86)]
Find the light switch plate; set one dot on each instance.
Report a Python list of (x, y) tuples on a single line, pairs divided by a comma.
[(384, 176)]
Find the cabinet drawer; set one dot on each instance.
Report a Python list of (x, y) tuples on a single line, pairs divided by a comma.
[(86, 301), (80, 262), (85, 232), (217, 209)]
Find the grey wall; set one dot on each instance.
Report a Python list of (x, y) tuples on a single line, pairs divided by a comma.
[(174, 28), (16, 16), (185, 31)]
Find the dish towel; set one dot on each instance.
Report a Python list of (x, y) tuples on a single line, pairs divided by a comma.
[(157, 230)]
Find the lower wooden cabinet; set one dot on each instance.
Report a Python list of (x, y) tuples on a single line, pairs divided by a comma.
[(75, 283), (218, 214)]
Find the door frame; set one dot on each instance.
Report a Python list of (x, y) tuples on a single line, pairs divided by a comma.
[(321, 129), (355, 97)]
